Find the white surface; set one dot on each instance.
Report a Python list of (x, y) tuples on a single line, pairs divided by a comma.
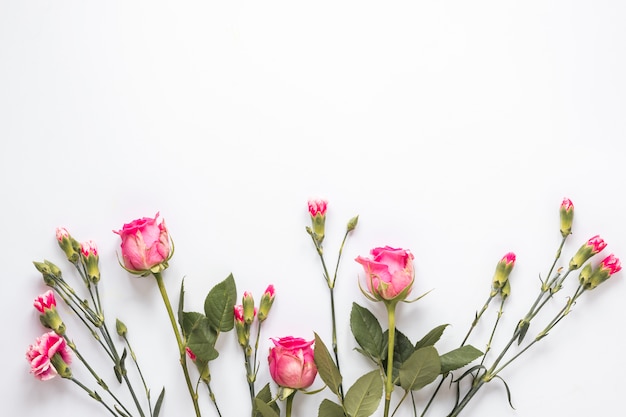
[(453, 129)]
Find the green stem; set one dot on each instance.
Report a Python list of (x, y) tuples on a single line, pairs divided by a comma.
[(289, 404), (391, 315), (143, 381), (478, 316), (93, 395), (179, 341), (213, 400), (493, 331)]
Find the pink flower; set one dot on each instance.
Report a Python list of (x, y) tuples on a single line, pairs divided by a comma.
[(238, 310), (593, 246), (89, 248), (62, 233), (291, 362), (390, 273), (45, 301), (611, 264), (41, 355), (267, 299), (145, 245), (503, 270), (190, 353), (317, 206), (567, 204)]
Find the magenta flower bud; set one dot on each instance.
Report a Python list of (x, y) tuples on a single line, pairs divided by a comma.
[(69, 245), (267, 299), (90, 258), (317, 210), (503, 270), (249, 311), (609, 266), (243, 331), (46, 305), (292, 363), (190, 353), (593, 246), (49, 356), (145, 246), (566, 213), (389, 273)]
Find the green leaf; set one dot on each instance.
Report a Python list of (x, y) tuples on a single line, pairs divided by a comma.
[(330, 409), (157, 406), (188, 320), (201, 340), (366, 330), (219, 304), (402, 350), (458, 358), (265, 395), (420, 369), (431, 337), (264, 409), (181, 303), (326, 367), (363, 397)]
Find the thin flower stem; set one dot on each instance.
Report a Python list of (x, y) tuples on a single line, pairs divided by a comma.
[(289, 404), (179, 341), (477, 318), (493, 332), (143, 381), (93, 395), (391, 315), (213, 400)]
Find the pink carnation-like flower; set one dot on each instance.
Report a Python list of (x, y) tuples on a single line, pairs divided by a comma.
[(317, 206), (596, 244), (611, 264), (238, 310), (291, 362), (567, 204), (89, 248), (190, 353), (389, 272), (40, 354), (145, 244), (45, 301), (62, 233)]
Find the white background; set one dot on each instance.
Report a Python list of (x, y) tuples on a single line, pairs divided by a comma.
[(452, 128)]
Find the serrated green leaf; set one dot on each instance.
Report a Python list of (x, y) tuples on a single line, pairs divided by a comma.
[(326, 367), (264, 409), (366, 330), (420, 369), (402, 350), (219, 304), (188, 320), (363, 397), (265, 395), (431, 337), (458, 358), (201, 337), (330, 409)]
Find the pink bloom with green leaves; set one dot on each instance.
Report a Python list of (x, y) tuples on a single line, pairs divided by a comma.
[(145, 245), (48, 349), (45, 301), (611, 264), (389, 273), (608, 266), (292, 362), (503, 270)]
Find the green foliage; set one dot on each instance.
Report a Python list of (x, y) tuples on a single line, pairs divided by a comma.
[(458, 358), (264, 409), (367, 331), (330, 409), (363, 397), (326, 367), (403, 348), (265, 395), (420, 369), (200, 336), (431, 337), (219, 304)]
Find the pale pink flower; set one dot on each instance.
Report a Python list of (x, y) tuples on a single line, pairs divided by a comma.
[(62, 233), (317, 206), (389, 273), (145, 245), (238, 310), (291, 362), (89, 248), (39, 355)]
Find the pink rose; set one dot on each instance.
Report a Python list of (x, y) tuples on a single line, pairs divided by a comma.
[(390, 273), (145, 245), (41, 355), (292, 363)]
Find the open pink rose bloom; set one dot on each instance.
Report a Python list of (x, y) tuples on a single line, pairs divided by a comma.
[(389, 272), (145, 244), (291, 362)]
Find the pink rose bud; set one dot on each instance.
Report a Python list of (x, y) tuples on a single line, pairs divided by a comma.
[(566, 213), (291, 363), (609, 266), (69, 245), (267, 299), (145, 246), (593, 246), (190, 353), (249, 311), (389, 273), (49, 356), (317, 210), (503, 270), (46, 305), (90, 258)]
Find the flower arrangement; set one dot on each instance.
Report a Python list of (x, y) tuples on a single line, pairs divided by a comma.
[(399, 366)]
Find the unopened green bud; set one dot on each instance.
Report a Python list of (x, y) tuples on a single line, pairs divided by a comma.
[(249, 311), (566, 213), (121, 328), (89, 257), (584, 275), (503, 270), (317, 210), (70, 246), (267, 299), (352, 223)]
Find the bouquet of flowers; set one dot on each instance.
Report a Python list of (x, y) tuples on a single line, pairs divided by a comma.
[(399, 366)]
